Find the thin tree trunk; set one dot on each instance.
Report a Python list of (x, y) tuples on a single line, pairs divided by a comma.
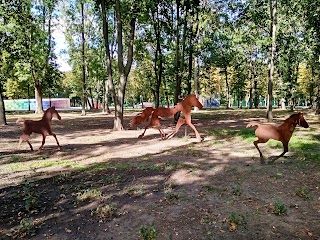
[(196, 75), (39, 79), (196, 59), (3, 120), (311, 88), (255, 93), (273, 28), (227, 88), (177, 56), (109, 83), (158, 61), (84, 87)]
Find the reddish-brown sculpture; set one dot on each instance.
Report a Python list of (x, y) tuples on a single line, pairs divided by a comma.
[(42, 127), (282, 133), (185, 106), (142, 117)]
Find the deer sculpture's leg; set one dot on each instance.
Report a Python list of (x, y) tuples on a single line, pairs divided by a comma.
[(20, 141), (285, 150), (26, 138), (43, 141), (262, 160), (195, 131), (163, 135), (180, 122), (54, 135), (29, 144), (188, 121), (145, 129)]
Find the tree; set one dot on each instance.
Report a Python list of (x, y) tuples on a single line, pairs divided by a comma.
[(273, 29), (41, 46), (125, 13), (14, 24)]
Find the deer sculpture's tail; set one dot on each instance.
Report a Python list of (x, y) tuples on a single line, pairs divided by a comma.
[(252, 124), (142, 117)]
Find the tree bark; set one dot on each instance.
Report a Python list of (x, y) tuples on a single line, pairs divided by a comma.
[(273, 28), (84, 85), (38, 79), (227, 88), (3, 120), (109, 83), (177, 56), (123, 70), (38, 97)]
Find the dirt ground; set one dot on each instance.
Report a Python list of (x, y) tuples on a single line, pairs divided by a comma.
[(105, 184)]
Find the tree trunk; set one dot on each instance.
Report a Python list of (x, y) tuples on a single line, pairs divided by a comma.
[(39, 78), (227, 88), (84, 87), (109, 83), (177, 57), (3, 120), (158, 60), (190, 70), (105, 99), (251, 81), (311, 88), (123, 70), (38, 97), (273, 27), (196, 76), (255, 93)]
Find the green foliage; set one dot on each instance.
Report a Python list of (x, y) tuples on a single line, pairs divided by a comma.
[(303, 192), (279, 208), (148, 233), (26, 228), (237, 218), (88, 194), (105, 211), (29, 195), (230, 39)]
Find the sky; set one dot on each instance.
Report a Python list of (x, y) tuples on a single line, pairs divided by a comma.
[(62, 59), (61, 44)]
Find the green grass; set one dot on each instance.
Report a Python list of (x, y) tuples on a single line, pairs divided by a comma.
[(41, 164), (104, 166), (303, 192), (305, 147), (279, 208), (88, 194), (246, 134)]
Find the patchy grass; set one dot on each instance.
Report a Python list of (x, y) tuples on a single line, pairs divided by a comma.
[(279, 208), (245, 134), (88, 194), (303, 192), (105, 212), (41, 164)]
